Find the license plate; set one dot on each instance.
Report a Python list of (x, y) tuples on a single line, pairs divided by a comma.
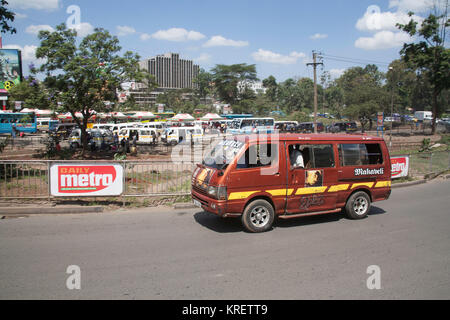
[(197, 203)]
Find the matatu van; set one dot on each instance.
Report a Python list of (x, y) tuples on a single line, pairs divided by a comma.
[(259, 178)]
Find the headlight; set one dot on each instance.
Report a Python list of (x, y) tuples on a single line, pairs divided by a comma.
[(212, 191), (219, 193)]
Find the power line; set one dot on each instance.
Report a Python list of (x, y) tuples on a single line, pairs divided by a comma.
[(355, 60)]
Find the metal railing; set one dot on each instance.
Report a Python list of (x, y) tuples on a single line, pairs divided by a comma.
[(30, 179)]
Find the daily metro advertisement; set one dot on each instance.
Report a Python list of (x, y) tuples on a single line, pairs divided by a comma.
[(86, 180), (399, 166)]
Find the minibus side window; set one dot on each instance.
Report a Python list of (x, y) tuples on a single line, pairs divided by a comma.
[(360, 154), (258, 155), (323, 156), (312, 156)]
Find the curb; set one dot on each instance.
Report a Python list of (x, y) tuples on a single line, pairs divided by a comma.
[(407, 184), (184, 205), (48, 210)]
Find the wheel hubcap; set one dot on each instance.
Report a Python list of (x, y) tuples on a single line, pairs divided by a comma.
[(360, 205), (259, 216)]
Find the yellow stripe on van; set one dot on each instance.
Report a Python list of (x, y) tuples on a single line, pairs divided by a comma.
[(240, 195), (280, 192), (310, 190), (366, 184), (381, 184), (338, 187)]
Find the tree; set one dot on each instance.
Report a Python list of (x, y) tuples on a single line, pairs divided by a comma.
[(203, 82), (364, 94), (32, 93), (6, 17), (271, 85), (429, 55), (227, 77), (82, 77)]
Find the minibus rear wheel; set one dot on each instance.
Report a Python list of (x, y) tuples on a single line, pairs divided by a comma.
[(358, 205), (258, 216)]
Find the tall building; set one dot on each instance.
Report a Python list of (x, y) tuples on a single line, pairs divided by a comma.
[(171, 72)]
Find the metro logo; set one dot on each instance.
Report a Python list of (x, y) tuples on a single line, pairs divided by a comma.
[(398, 165), (85, 179)]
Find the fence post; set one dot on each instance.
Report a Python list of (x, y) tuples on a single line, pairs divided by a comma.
[(431, 162), (48, 180), (124, 182)]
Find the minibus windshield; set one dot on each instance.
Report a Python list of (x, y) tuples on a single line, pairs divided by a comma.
[(222, 154)]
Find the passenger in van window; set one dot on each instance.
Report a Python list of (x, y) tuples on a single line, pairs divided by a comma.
[(296, 158)]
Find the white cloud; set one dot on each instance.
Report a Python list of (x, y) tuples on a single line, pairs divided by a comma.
[(145, 36), (20, 15), (177, 34), (272, 57), (383, 40), (125, 30), (318, 36), (34, 4), (83, 29), (375, 20), (34, 29), (28, 53), (411, 5), (204, 57), (336, 73), (219, 41)]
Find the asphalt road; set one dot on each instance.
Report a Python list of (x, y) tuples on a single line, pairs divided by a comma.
[(187, 254)]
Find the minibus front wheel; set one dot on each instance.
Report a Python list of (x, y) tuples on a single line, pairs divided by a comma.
[(258, 216), (358, 205)]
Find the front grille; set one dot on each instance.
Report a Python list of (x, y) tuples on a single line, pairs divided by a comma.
[(199, 190)]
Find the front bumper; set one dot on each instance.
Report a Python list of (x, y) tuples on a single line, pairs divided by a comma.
[(215, 206)]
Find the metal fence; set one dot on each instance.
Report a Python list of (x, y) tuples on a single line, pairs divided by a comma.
[(30, 179)]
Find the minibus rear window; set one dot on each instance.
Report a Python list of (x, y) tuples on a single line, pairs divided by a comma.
[(360, 154)]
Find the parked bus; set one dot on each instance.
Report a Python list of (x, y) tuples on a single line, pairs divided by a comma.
[(23, 122), (292, 175), (252, 125)]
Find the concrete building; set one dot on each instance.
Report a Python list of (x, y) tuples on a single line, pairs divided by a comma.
[(171, 72)]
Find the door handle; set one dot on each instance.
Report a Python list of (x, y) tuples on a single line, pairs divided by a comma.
[(276, 174)]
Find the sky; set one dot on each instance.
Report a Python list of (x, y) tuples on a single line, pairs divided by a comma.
[(278, 36)]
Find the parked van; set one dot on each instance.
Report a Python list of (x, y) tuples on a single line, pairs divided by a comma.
[(46, 124), (293, 176), (158, 126), (175, 135), (144, 135), (423, 115), (99, 137)]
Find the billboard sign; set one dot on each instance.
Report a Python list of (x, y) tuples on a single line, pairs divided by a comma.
[(399, 166), (68, 180), (10, 69)]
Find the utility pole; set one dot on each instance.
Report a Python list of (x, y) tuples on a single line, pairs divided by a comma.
[(315, 64)]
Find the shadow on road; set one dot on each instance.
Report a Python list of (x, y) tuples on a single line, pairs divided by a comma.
[(226, 225), (218, 224)]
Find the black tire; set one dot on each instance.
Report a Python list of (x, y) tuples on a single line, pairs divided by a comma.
[(173, 143), (258, 216), (358, 205)]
